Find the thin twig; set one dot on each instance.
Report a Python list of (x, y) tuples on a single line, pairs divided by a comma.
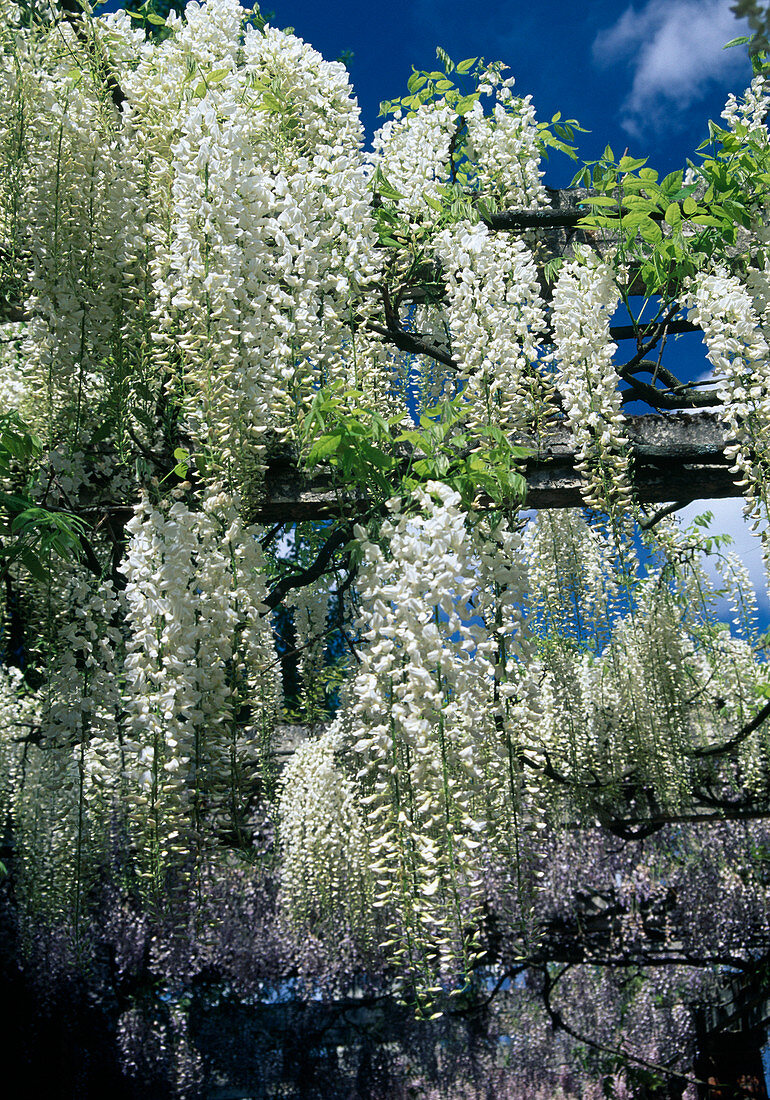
[(666, 510), (560, 1024)]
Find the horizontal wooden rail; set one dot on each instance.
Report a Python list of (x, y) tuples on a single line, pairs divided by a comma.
[(676, 457)]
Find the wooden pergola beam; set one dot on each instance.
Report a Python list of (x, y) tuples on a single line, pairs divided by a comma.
[(676, 457)]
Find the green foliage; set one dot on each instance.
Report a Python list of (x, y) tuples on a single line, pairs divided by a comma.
[(491, 470), (363, 449), (30, 533), (354, 440), (560, 135), (429, 87), (668, 229), (151, 15), (758, 42)]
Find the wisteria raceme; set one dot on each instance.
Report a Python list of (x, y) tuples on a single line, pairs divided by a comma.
[(496, 319), (272, 230), (574, 592), (20, 718), (739, 591), (413, 154), (311, 613), (75, 235), (429, 722), (504, 147), (276, 256), (195, 658), (584, 299), (72, 755), (739, 353), (748, 116), (758, 285), (414, 718), (13, 386), (325, 876)]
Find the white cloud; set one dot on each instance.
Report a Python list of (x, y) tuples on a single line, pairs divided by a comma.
[(674, 48)]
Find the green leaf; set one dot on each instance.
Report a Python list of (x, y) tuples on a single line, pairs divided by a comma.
[(465, 66), (706, 219), (582, 177), (673, 214), (383, 188), (466, 103), (33, 565), (650, 231), (599, 200), (158, 20), (376, 457), (271, 103), (446, 60), (630, 164), (413, 437), (103, 432), (630, 222), (672, 182), (324, 447)]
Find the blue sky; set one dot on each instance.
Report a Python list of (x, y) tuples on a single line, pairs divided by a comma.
[(645, 75)]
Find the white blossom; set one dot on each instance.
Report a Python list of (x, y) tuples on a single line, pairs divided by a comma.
[(496, 321), (738, 350), (584, 299)]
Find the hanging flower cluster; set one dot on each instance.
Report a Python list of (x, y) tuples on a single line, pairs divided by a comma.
[(69, 756), (413, 153), (272, 232), (496, 319), (748, 116), (584, 299), (311, 613), (433, 725), (13, 386), (738, 351), (504, 146), (19, 719), (630, 672), (325, 872), (420, 725), (197, 658)]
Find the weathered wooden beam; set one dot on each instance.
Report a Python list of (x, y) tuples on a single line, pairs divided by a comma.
[(676, 457)]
